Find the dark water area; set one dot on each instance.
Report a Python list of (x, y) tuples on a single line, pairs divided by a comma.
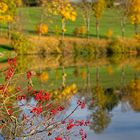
[(110, 86)]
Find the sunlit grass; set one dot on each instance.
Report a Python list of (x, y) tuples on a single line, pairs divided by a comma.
[(110, 20)]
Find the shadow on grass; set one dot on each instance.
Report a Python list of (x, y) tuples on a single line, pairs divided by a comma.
[(5, 47), (51, 33), (3, 60)]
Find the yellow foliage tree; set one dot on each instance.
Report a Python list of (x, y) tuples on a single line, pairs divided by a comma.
[(86, 10), (134, 95), (8, 11), (134, 13), (64, 9), (4, 17), (98, 9)]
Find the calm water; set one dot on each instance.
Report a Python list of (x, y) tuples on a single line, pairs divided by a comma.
[(110, 87)]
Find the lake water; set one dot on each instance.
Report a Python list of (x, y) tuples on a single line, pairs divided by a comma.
[(110, 86)]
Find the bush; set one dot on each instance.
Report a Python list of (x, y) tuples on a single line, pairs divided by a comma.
[(42, 29), (116, 47), (80, 31), (83, 30), (76, 31), (19, 42), (137, 37), (109, 33)]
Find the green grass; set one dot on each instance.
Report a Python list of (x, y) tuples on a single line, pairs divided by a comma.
[(109, 20), (4, 48), (6, 52), (30, 17)]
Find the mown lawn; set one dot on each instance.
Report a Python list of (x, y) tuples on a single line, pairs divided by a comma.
[(31, 16)]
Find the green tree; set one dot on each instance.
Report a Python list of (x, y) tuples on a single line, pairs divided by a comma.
[(100, 120)]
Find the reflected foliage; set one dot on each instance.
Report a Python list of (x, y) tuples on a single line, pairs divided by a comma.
[(104, 101), (102, 82)]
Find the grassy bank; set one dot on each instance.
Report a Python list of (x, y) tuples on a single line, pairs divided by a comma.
[(70, 45), (33, 44)]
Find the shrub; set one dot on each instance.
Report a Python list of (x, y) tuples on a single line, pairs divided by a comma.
[(76, 31), (116, 46), (57, 30), (19, 42), (22, 104), (42, 28), (82, 30), (137, 37), (109, 33)]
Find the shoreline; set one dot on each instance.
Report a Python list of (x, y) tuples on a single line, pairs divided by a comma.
[(75, 45)]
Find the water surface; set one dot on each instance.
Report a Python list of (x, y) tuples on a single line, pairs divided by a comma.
[(110, 87)]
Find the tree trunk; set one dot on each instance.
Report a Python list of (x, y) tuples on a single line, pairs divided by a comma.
[(136, 28), (63, 28), (88, 78), (97, 28), (9, 28), (97, 75), (88, 26), (123, 27), (0, 30), (63, 77)]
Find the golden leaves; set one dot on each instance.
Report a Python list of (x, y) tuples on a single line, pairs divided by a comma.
[(83, 74), (42, 28), (62, 8), (44, 76), (134, 11), (98, 8), (70, 89), (109, 33), (110, 70), (3, 7), (4, 17), (135, 85), (82, 30)]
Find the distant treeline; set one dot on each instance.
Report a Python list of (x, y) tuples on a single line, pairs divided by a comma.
[(109, 3), (32, 2)]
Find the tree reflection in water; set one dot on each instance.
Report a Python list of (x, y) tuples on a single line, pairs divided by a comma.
[(28, 113), (101, 98)]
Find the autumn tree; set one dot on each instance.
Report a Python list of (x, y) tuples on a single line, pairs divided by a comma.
[(110, 3), (85, 7), (134, 13), (122, 10), (8, 11), (98, 8), (4, 16), (64, 9)]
